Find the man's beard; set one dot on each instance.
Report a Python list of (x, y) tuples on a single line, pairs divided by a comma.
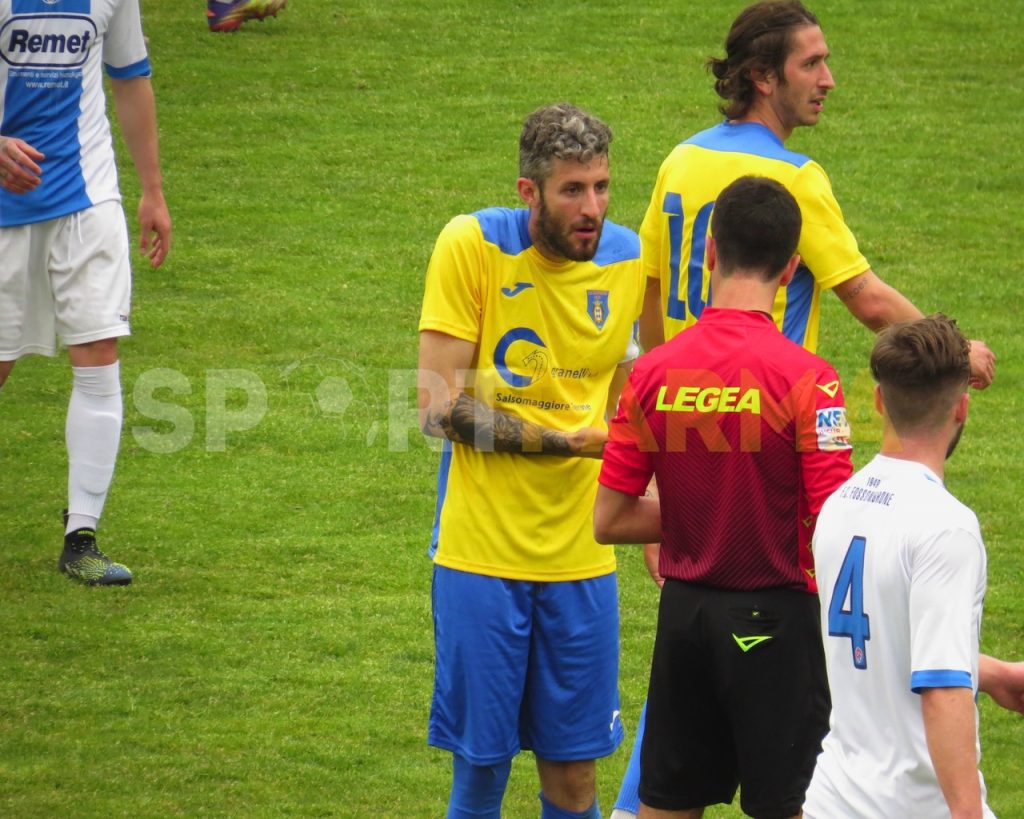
[(553, 236)]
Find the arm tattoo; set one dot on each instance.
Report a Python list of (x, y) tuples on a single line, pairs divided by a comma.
[(857, 288), (470, 422)]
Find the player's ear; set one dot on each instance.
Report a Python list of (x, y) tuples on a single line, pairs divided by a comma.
[(762, 80), (711, 254), (962, 405), (529, 192), (790, 270), (879, 406)]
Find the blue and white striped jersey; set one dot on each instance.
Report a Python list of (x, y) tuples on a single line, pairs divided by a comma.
[(52, 97)]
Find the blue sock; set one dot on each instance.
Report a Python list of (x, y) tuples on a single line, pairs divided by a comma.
[(549, 811), (629, 792), (477, 790)]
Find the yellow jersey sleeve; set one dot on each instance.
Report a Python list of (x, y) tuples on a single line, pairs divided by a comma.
[(453, 293), (827, 246)]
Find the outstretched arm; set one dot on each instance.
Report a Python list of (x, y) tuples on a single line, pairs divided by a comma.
[(448, 411), (877, 305), (136, 111)]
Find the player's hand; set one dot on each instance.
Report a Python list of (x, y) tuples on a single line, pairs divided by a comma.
[(1003, 682), (588, 442), (19, 172), (983, 365), (154, 228), (652, 551)]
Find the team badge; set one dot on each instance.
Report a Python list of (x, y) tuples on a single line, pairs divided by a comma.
[(597, 307)]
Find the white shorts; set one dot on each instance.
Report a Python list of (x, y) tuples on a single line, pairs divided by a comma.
[(68, 277)]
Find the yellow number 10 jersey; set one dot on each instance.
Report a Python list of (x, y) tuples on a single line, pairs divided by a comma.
[(678, 219)]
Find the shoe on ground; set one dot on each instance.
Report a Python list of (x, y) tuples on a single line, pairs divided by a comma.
[(230, 16), (83, 560)]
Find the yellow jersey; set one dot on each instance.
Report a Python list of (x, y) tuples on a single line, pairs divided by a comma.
[(678, 220), (548, 337)]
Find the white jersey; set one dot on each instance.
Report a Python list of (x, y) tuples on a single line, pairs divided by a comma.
[(901, 572), (51, 96)]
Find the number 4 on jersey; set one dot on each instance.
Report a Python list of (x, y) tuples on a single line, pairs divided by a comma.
[(851, 622)]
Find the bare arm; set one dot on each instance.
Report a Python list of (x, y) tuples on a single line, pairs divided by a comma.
[(652, 328), (448, 411), (874, 303), (949, 726), (1003, 682), (622, 518), (19, 172), (136, 112), (877, 305), (615, 388)]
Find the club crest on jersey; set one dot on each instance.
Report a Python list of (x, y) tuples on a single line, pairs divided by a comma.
[(597, 307)]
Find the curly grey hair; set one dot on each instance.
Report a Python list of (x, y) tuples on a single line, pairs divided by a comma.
[(560, 131)]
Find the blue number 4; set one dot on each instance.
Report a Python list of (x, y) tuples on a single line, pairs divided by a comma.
[(851, 622)]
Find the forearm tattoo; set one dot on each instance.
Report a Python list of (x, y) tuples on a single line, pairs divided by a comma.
[(468, 421)]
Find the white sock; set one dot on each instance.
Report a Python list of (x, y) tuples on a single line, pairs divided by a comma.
[(93, 434), (76, 522)]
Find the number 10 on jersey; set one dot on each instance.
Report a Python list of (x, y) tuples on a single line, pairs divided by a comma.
[(851, 622), (686, 276)]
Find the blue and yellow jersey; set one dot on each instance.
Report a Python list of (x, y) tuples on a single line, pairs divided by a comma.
[(678, 222), (549, 337)]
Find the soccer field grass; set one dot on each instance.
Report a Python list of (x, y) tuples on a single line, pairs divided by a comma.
[(273, 495)]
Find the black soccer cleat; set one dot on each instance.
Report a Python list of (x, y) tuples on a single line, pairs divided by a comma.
[(83, 560)]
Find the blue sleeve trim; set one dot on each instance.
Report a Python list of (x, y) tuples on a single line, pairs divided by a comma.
[(140, 69), (939, 678)]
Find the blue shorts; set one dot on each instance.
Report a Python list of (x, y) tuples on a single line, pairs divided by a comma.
[(522, 664)]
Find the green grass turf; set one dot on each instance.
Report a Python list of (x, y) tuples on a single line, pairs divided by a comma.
[(274, 656)]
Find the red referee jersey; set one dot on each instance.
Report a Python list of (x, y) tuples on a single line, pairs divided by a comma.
[(747, 435)]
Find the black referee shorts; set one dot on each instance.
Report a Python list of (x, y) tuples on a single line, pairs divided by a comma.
[(738, 697)]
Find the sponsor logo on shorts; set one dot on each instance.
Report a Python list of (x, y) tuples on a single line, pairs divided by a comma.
[(747, 643)]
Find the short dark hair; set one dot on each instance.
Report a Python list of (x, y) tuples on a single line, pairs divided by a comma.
[(922, 368), (560, 131), (760, 40), (756, 227)]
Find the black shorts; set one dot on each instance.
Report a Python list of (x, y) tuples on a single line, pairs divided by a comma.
[(738, 697)]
